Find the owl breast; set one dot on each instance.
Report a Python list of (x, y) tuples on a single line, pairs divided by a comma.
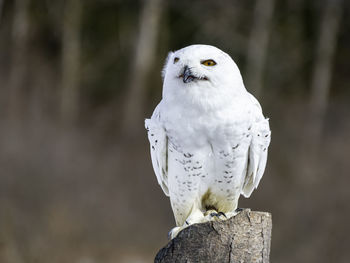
[(206, 157)]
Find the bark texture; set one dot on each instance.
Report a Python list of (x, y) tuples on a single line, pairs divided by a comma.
[(243, 238)]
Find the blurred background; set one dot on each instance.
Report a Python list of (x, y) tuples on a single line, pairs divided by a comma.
[(77, 78)]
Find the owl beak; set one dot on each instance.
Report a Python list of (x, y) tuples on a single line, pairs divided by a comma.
[(187, 75)]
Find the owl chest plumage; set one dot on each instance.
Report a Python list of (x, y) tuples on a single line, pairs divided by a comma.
[(207, 151)]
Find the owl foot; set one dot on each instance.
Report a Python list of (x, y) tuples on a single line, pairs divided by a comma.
[(176, 230), (238, 210), (217, 216), (234, 213), (209, 212), (213, 215), (195, 217), (221, 214), (173, 232)]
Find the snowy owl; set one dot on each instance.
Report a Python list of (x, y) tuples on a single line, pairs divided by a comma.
[(208, 136)]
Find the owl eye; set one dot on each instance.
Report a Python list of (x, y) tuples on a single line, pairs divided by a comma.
[(176, 60), (208, 62)]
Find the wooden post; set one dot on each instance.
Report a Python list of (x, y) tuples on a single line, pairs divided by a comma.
[(242, 239)]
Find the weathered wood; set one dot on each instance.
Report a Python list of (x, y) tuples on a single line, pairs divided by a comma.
[(243, 238)]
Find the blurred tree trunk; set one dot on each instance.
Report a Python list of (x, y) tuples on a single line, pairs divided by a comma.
[(258, 45), (71, 60), (1, 5), (18, 71), (145, 51), (321, 79)]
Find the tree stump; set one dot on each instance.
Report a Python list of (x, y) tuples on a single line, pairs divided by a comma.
[(243, 238)]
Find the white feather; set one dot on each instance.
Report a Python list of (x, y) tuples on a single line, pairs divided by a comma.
[(158, 145)]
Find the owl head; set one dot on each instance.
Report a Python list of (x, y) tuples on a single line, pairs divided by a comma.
[(200, 70)]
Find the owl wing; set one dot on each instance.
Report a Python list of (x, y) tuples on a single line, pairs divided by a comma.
[(257, 153), (159, 149)]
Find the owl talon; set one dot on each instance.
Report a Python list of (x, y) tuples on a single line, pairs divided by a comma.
[(217, 215), (222, 214), (213, 214), (234, 213), (169, 235), (173, 232)]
